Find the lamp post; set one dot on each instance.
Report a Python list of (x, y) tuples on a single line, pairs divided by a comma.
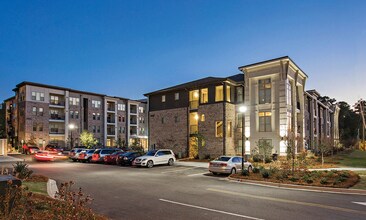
[(71, 127), (242, 110)]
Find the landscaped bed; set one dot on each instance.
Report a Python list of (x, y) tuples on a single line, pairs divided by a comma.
[(333, 178)]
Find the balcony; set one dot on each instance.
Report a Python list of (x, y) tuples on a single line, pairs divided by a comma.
[(111, 132), (57, 117), (111, 109), (133, 109), (111, 120), (57, 103), (57, 131), (193, 129), (193, 105)]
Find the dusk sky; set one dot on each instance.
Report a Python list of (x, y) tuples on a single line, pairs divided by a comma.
[(128, 48)]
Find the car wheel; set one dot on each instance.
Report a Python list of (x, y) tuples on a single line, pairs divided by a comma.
[(73, 160), (214, 173), (250, 169), (149, 164), (171, 162), (233, 171)]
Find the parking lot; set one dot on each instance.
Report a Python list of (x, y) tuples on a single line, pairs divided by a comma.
[(183, 192)]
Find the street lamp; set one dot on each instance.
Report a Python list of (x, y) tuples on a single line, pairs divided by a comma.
[(242, 110), (71, 127)]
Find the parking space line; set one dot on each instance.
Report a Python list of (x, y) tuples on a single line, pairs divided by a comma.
[(208, 209), (178, 170), (288, 201)]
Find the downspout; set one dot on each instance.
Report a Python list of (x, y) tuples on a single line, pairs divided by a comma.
[(224, 119)]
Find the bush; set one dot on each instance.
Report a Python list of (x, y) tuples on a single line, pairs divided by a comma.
[(344, 174), (265, 173), (245, 172), (273, 170), (324, 180), (268, 160), (293, 179), (282, 174), (256, 158), (307, 178), (22, 171), (256, 170)]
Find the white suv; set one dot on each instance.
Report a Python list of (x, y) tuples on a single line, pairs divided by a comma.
[(155, 157)]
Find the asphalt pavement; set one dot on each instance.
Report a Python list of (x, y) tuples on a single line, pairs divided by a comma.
[(185, 192)]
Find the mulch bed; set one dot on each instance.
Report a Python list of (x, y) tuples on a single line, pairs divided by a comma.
[(37, 178)]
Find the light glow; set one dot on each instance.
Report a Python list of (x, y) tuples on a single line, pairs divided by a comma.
[(71, 126), (242, 109)]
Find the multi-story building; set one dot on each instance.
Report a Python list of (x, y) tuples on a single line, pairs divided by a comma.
[(44, 113), (2, 120), (273, 92)]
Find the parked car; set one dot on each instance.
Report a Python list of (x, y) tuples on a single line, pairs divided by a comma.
[(112, 158), (86, 155), (32, 150), (99, 154), (228, 165), (44, 156), (75, 153), (54, 148), (155, 157), (127, 158)]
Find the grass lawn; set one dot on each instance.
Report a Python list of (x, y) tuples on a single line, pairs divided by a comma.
[(37, 187), (355, 159), (362, 183)]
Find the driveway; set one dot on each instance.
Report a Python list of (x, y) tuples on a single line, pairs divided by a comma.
[(184, 192)]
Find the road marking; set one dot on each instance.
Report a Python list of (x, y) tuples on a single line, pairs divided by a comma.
[(208, 209), (360, 203), (198, 174), (179, 170), (288, 201)]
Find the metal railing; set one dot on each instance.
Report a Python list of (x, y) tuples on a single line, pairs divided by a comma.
[(57, 117), (57, 131)]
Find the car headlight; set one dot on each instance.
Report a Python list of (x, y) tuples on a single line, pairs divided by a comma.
[(143, 159)]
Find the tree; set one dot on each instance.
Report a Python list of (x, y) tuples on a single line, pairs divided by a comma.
[(326, 99), (264, 149), (87, 139), (198, 142), (348, 124), (324, 146), (120, 142), (291, 149)]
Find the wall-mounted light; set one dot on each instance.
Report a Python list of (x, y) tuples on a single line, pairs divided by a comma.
[(196, 117)]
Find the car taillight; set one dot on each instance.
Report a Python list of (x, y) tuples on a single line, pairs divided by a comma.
[(223, 164)]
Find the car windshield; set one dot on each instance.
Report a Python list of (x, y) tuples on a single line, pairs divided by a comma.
[(223, 159), (90, 151), (97, 151), (151, 153), (106, 151)]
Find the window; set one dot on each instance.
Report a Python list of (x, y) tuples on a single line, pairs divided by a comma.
[(121, 107), (38, 96), (163, 98), (123, 118), (219, 129), (96, 104), (94, 129), (162, 120), (176, 119), (141, 109), (239, 94), (240, 120), (71, 114), (74, 101), (34, 110), (54, 100), (203, 118), (40, 111), (40, 126), (264, 91), (176, 96), (119, 118), (123, 130), (204, 95), (98, 116), (76, 115), (265, 121), (141, 120), (98, 129), (228, 93), (219, 93), (94, 116), (229, 128), (34, 126)]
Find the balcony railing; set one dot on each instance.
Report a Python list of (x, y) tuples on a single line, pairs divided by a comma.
[(193, 104), (57, 131), (133, 122), (111, 121), (111, 109), (193, 129), (57, 117), (111, 132), (58, 103)]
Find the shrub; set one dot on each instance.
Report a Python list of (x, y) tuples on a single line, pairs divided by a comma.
[(307, 178), (265, 173), (256, 170), (282, 174), (293, 179), (273, 170), (22, 171), (344, 174), (341, 179), (256, 158), (245, 172), (324, 180), (268, 160)]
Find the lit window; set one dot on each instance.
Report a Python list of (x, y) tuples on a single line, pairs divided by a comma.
[(98, 116), (229, 129), (219, 129), (163, 98), (40, 111), (219, 93), (141, 109), (94, 116), (204, 95), (74, 101), (176, 96), (239, 94), (203, 118), (34, 110), (228, 93), (71, 114), (76, 115), (121, 107), (96, 104), (264, 91), (265, 121), (38, 96)]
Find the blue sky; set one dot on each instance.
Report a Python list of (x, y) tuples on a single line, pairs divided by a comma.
[(128, 48)]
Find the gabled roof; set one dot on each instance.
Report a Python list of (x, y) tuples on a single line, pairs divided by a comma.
[(200, 82)]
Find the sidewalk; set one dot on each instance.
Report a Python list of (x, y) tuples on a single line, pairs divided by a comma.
[(9, 159), (341, 169), (192, 164)]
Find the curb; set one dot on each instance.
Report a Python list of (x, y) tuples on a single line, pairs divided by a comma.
[(52, 188), (300, 187)]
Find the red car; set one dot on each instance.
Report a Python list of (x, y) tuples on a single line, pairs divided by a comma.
[(44, 156), (112, 158), (54, 148)]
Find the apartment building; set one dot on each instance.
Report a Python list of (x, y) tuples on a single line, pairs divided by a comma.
[(44, 113), (2, 120), (273, 92)]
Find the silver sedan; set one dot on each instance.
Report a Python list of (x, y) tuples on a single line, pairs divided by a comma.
[(228, 165)]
